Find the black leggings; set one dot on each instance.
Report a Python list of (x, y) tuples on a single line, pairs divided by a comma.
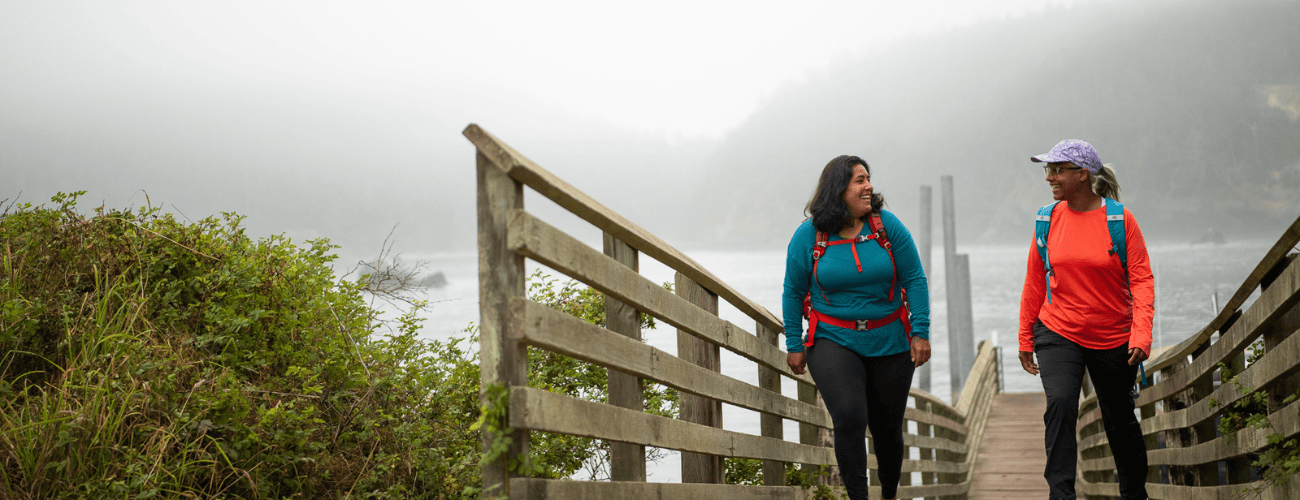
[(864, 392)]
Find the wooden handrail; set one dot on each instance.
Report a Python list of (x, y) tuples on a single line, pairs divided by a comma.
[(562, 193), (1279, 250)]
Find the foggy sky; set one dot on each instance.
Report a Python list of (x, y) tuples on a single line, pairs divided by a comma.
[(337, 120)]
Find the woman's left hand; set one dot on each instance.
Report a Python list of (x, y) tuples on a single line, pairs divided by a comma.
[(1136, 355), (920, 351)]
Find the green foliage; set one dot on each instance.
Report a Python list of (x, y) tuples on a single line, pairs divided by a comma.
[(748, 471), (811, 479), (1280, 461), (142, 356)]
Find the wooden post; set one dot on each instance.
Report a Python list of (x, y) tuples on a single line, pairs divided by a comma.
[(961, 335), (699, 467), (826, 439), (770, 425), (627, 460), (1238, 467), (927, 454), (500, 277), (1208, 473), (924, 236), (961, 331)]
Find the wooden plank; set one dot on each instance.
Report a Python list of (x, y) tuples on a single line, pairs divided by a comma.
[(939, 407), (536, 409), (1276, 254), (577, 202), (556, 331), (626, 460), (540, 241), (770, 424), (1271, 306), (1246, 441), (699, 467), (1276, 364), (982, 367), (1180, 492), (555, 489), (926, 491), (501, 278), (1009, 481)]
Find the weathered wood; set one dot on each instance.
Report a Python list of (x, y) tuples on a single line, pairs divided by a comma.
[(556, 331), (500, 277), (540, 241), (808, 432), (536, 409), (961, 322), (981, 367), (923, 431), (626, 460), (1246, 441), (1269, 308), (1278, 252), (939, 407), (699, 467), (770, 424), (556, 489), (578, 203), (1180, 492), (1275, 365)]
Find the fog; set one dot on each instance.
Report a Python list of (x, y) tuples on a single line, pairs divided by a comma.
[(707, 125)]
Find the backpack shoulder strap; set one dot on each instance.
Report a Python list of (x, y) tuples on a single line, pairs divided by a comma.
[(1115, 224), (1043, 226), (878, 227)]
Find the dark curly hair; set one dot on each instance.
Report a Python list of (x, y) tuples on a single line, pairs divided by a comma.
[(827, 208)]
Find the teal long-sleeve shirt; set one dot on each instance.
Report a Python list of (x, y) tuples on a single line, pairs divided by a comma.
[(854, 295)]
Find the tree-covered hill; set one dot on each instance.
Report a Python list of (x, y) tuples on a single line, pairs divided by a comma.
[(1194, 102)]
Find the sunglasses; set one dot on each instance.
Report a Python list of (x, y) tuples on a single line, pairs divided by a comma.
[(1054, 169)]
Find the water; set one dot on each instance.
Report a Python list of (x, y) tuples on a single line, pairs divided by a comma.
[(1187, 278)]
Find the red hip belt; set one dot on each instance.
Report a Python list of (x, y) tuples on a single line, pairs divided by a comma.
[(861, 325)]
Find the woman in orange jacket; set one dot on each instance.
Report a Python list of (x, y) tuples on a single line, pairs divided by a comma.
[(1087, 308)]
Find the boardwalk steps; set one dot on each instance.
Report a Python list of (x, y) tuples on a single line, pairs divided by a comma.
[(1011, 456)]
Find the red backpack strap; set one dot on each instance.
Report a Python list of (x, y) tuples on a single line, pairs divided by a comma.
[(878, 228)]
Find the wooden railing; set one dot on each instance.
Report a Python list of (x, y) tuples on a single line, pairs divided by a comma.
[(1189, 458), (946, 437)]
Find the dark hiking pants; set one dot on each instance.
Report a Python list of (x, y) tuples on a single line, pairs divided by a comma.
[(1061, 364), (864, 392)]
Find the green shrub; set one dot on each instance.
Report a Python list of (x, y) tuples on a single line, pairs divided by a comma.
[(142, 356)]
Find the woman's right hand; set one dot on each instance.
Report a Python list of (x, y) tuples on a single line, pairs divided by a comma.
[(1027, 362), (796, 361)]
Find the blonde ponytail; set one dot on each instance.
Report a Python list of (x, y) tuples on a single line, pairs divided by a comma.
[(1104, 183)]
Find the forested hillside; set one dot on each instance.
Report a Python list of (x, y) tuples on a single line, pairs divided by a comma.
[(1194, 102)]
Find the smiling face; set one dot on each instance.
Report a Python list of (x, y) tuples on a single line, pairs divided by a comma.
[(1067, 180), (858, 195)]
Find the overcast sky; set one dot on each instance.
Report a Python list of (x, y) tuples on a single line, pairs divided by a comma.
[(674, 68)]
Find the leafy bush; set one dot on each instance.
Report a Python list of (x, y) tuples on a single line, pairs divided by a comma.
[(143, 356)]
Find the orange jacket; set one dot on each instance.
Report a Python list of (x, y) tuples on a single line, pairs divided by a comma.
[(1091, 303)]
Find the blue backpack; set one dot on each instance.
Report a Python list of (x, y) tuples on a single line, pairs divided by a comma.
[(1114, 222)]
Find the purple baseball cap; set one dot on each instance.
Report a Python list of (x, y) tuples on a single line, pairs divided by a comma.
[(1074, 151)]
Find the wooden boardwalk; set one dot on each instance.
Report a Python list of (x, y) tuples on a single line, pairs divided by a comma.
[(1011, 456)]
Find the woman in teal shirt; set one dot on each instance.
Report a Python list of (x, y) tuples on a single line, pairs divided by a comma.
[(861, 349)]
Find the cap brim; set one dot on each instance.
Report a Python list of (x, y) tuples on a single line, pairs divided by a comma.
[(1047, 158)]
